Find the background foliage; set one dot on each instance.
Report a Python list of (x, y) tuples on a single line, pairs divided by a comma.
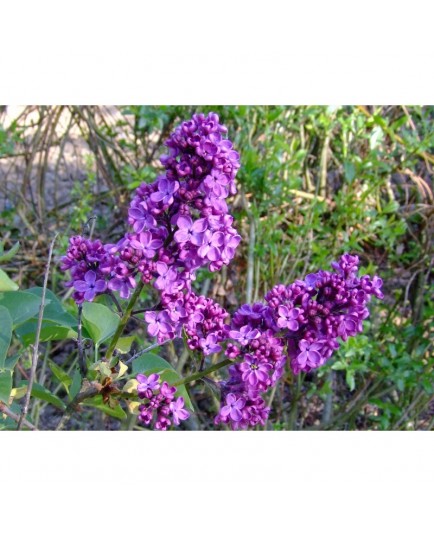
[(315, 182)]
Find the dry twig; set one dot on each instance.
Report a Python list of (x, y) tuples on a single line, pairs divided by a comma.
[(4, 409), (38, 334)]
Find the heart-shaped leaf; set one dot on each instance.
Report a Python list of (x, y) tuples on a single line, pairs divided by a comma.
[(99, 321)]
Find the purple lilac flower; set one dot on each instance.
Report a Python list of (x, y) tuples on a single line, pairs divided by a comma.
[(209, 345), (254, 370), (167, 276), (159, 404), (147, 385), (211, 242), (123, 285), (304, 321), (90, 286), (141, 217), (233, 407), (310, 354), (158, 323), (178, 411), (244, 335), (147, 244), (330, 305), (287, 318), (165, 191), (190, 231)]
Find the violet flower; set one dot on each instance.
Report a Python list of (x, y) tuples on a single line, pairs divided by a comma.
[(167, 276), (287, 318), (158, 323), (233, 407), (209, 345), (178, 411), (210, 245), (147, 384), (165, 192), (244, 335), (254, 371), (147, 244), (90, 286), (309, 354), (190, 231)]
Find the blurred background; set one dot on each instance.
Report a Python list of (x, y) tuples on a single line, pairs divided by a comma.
[(315, 182)]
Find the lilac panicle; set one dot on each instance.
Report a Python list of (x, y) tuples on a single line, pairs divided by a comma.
[(159, 407), (302, 322)]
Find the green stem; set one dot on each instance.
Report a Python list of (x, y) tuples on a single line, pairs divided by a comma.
[(123, 323), (203, 373), (292, 421)]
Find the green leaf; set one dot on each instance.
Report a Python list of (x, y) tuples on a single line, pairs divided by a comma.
[(76, 384), (50, 331), (54, 309), (97, 402), (103, 368), (153, 364), (350, 171), (25, 306), (6, 282), (21, 305), (9, 254), (38, 391), (5, 385), (400, 384), (339, 365), (99, 321), (5, 334), (60, 374), (349, 378), (149, 363), (124, 344), (11, 361)]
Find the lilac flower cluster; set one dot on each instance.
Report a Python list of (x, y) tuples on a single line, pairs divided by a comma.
[(260, 363), (186, 206), (160, 404), (94, 270), (315, 312), (181, 221), (302, 321)]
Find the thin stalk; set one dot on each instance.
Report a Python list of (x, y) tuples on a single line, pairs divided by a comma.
[(292, 421), (81, 356), (4, 409), (88, 390), (201, 374), (38, 335), (116, 302), (123, 323), (138, 354)]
